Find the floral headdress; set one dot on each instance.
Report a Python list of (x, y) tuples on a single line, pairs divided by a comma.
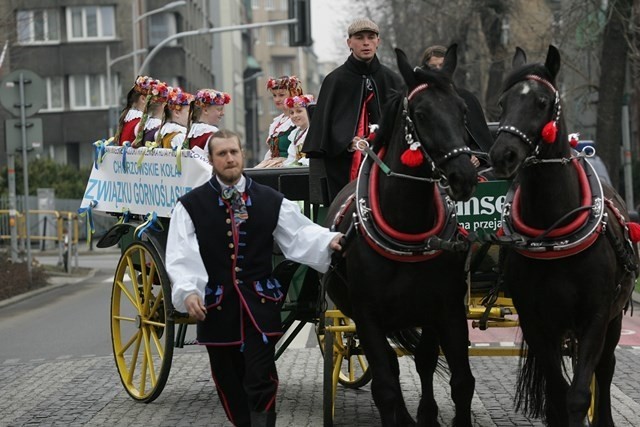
[(299, 101), (143, 84), (290, 83), (158, 90), (177, 98), (206, 97)]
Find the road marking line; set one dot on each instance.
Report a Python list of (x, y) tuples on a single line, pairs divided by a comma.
[(67, 356), (10, 361)]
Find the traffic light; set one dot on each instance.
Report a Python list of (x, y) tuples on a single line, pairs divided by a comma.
[(300, 32)]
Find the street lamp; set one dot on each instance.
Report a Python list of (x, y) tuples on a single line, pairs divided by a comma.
[(135, 19)]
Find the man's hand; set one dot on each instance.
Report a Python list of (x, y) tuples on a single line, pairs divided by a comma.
[(357, 143), (195, 306), (335, 242)]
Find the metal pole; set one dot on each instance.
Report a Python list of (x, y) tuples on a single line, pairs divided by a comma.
[(25, 173), (13, 226), (203, 31), (109, 90), (626, 159), (134, 34)]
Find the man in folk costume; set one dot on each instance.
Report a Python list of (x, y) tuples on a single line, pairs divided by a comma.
[(205, 114), (218, 256), (132, 112), (349, 103), (281, 126), (173, 132), (156, 92)]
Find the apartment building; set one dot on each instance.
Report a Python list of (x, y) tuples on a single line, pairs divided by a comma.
[(75, 44)]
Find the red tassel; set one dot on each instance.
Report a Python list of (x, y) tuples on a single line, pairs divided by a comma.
[(412, 158), (549, 132), (634, 231), (573, 142)]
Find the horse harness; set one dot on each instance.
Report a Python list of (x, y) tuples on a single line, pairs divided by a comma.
[(367, 217)]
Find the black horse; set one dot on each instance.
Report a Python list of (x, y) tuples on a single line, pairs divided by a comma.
[(569, 264), (395, 276)]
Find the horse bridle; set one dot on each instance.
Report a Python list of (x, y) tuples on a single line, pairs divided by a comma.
[(412, 137), (535, 146)]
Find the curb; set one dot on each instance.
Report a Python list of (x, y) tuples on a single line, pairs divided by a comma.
[(51, 286)]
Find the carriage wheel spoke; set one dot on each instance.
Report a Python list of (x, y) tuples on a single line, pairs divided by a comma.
[(128, 344), (134, 358), (157, 343), (149, 356), (131, 298)]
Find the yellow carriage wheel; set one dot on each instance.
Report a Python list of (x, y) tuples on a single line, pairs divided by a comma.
[(354, 368), (142, 331)]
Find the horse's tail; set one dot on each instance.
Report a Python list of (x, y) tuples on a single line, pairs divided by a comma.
[(531, 390), (407, 340)]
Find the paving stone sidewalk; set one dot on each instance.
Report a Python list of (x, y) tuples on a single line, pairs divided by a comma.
[(87, 392)]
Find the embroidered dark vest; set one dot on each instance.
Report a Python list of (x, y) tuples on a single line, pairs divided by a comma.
[(239, 266)]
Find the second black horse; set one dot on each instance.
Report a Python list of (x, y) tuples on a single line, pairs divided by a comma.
[(401, 268)]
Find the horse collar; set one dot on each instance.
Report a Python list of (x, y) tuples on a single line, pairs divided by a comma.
[(564, 241), (392, 243)]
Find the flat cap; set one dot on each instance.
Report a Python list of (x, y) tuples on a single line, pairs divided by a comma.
[(363, 24)]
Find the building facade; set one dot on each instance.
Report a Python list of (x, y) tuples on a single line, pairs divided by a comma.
[(74, 47)]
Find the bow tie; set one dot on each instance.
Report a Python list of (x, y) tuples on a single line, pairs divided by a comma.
[(233, 196)]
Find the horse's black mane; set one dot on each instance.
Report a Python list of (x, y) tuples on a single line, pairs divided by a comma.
[(435, 79), (521, 73)]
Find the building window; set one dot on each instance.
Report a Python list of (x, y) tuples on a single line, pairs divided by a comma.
[(269, 4), (284, 5), (161, 26), (54, 94), (255, 4), (38, 26), (284, 37), (271, 36), (90, 22), (87, 91)]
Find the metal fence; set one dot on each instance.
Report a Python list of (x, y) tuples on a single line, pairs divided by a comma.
[(55, 229)]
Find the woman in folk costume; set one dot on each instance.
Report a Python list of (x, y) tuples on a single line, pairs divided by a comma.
[(156, 96), (131, 113), (205, 114), (279, 130), (297, 110), (173, 132)]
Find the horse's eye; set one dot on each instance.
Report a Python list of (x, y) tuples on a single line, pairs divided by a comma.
[(543, 102)]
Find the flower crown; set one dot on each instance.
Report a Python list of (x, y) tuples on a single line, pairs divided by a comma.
[(146, 85), (290, 83), (299, 101), (206, 97), (177, 98)]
